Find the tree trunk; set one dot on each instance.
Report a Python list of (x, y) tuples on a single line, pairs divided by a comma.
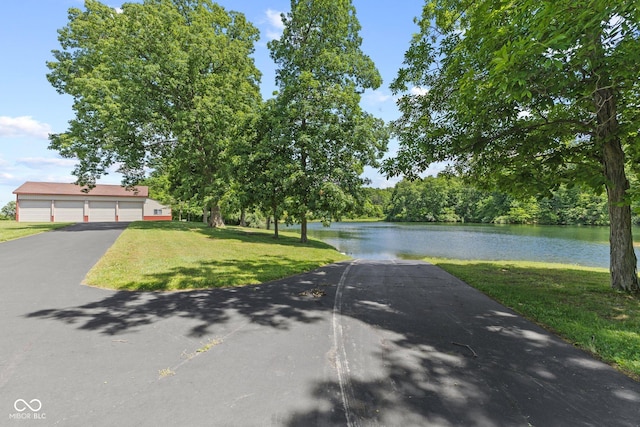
[(216, 217), (304, 184), (623, 262), (205, 214), (303, 228), (276, 231), (243, 217), (268, 222)]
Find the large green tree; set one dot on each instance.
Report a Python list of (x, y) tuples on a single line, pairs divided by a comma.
[(166, 82), (526, 95), (321, 74)]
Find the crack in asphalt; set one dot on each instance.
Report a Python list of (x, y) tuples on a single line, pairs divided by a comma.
[(341, 361)]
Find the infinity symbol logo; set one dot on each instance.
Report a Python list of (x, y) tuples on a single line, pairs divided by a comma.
[(21, 405)]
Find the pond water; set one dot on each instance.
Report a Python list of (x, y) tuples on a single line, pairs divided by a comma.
[(587, 246)]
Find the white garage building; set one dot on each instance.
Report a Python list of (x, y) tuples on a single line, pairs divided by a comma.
[(58, 202)]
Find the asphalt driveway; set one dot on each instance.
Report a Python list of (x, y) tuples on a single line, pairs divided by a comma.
[(355, 343)]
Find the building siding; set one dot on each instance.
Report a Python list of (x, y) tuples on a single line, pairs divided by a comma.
[(39, 202)]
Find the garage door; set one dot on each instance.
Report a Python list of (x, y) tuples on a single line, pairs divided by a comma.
[(102, 211), (68, 211), (35, 210), (130, 211)]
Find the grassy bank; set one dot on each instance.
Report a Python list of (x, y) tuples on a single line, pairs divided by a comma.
[(179, 255), (10, 230), (576, 303)]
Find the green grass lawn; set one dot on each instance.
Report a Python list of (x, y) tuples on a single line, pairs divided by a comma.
[(180, 255), (576, 303), (10, 230)]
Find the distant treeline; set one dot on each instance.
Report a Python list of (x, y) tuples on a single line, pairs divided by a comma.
[(448, 199)]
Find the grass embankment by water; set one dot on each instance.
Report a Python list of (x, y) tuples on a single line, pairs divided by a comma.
[(576, 303), (10, 230), (172, 256)]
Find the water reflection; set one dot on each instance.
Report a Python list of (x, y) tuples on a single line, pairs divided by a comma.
[(572, 245)]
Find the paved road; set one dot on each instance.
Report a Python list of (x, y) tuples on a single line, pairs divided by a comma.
[(358, 344)]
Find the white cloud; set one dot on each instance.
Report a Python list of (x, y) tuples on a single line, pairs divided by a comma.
[(68, 178), (273, 35), (6, 169), (6, 177), (36, 162), (23, 126), (524, 115), (274, 18), (275, 24), (420, 91), (614, 31), (376, 97), (434, 169), (379, 181)]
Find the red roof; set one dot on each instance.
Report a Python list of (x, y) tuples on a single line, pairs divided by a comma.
[(63, 189)]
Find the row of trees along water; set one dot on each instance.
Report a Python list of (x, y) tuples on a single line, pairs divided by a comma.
[(433, 199), (448, 199)]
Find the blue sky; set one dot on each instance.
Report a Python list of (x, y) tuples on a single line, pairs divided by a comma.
[(30, 108)]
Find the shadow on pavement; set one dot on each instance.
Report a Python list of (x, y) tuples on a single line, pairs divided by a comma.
[(275, 304), (443, 355)]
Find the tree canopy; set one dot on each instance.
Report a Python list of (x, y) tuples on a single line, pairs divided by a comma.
[(163, 83), (526, 96)]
